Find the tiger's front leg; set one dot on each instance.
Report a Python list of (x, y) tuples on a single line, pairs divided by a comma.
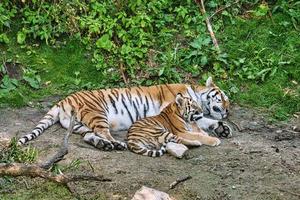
[(100, 135), (219, 128), (197, 139)]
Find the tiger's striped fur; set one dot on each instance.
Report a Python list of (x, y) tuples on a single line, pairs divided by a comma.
[(100, 111), (150, 135)]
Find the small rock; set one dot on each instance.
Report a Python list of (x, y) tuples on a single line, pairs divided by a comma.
[(146, 193), (176, 149), (279, 131), (296, 128)]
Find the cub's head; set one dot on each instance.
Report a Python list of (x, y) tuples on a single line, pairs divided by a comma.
[(188, 108), (213, 100)]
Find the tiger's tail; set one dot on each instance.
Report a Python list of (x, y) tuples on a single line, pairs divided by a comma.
[(48, 120), (143, 150)]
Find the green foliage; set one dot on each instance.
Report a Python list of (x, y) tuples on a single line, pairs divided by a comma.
[(14, 153), (148, 42), (8, 85), (32, 78), (58, 169)]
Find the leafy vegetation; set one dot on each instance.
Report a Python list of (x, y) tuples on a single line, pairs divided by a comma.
[(63, 46), (15, 153)]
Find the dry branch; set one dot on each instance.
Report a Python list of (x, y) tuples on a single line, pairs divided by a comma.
[(201, 6), (179, 180), (32, 170), (63, 150), (122, 70)]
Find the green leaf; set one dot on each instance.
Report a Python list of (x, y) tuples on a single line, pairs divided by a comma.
[(104, 42), (4, 38), (21, 37), (203, 60), (31, 77), (161, 71)]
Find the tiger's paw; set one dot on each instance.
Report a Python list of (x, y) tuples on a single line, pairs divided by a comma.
[(105, 145), (99, 142), (223, 130), (120, 145)]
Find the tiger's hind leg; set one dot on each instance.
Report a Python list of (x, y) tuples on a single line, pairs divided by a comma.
[(93, 139), (98, 124)]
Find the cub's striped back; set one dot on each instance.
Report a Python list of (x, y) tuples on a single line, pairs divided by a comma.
[(150, 135)]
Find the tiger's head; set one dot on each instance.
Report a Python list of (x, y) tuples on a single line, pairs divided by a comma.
[(188, 108), (214, 102)]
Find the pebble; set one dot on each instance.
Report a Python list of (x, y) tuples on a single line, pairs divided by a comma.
[(175, 149)]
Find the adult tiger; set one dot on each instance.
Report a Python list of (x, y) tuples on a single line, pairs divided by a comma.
[(100, 111), (149, 136)]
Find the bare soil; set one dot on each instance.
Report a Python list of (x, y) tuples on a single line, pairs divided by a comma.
[(262, 161)]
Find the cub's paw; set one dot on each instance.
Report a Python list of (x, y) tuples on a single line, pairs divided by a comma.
[(216, 142), (120, 145), (223, 130)]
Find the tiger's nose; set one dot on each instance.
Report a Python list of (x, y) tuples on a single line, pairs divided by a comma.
[(216, 109)]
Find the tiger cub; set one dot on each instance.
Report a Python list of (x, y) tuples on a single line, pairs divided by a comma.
[(150, 135)]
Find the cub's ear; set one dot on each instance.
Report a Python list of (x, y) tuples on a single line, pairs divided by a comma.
[(179, 99), (209, 82)]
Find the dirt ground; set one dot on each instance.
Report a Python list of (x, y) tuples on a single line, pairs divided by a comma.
[(262, 161)]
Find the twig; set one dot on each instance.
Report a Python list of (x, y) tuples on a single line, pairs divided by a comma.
[(33, 170), (223, 8), (25, 183), (179, 180), (290, 192), (123, 73), (63, 150), (253, 151), (201, 6), (91, 166)]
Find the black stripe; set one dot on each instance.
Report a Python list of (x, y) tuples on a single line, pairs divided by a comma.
[(140, 96), (146, 106), (79, 126), (128, 94), (39, 129), (136, 112), (124, 104), (115, 93), (197, 118), (113, 103)]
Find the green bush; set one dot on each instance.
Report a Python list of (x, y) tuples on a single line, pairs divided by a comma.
[(150, 42)]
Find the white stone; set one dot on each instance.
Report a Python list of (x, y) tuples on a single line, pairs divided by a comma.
[(146, 193), (176, 149)]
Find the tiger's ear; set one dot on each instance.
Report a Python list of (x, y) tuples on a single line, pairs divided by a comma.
[(209, 82), (179, 99)]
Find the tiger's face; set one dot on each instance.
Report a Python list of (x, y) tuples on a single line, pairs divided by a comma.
[(188, 108), (216, 103)]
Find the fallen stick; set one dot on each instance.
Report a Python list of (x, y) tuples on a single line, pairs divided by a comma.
[(290, 192), (201, 6), (33, 170), (179, 180), (63, 150)]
